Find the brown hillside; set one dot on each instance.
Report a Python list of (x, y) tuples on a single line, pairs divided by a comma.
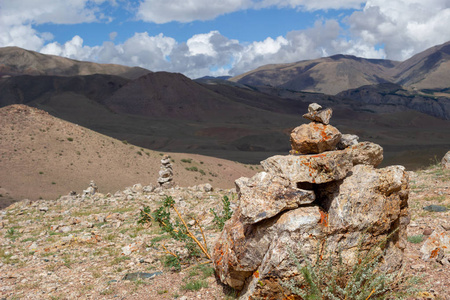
[(329, 75), (43, 156), (426, 70), (17, 61)]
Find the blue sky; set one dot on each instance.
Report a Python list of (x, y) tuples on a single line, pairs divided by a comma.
[(222, 37)]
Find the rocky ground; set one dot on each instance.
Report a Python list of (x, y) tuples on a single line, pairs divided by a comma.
[(91, 247)]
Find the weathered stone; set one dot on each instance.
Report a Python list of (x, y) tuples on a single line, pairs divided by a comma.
[(368, 200), (445, 162), (347, 140), (264, 196), (320, 168), (313, 107), (314, 138), (366, 153), (321, 116), (435, 208), (437, 246)]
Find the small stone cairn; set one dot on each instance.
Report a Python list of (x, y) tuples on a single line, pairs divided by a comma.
[(165, 179), (91, 190), (328, 191)]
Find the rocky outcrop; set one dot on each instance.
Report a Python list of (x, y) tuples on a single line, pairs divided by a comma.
[(300, 202)]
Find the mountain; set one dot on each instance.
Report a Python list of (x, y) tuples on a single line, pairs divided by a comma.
[(329, 75), (18, 61), (43, 156), (429, 69), (168, 112)]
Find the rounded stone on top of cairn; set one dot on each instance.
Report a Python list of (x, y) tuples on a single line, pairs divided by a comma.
[(317, 136)]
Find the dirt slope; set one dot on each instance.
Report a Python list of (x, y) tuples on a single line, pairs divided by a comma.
[(43, 157)]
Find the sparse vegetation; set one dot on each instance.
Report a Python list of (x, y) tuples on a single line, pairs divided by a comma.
[(415, 239), (330, 278), (70, 139), (220, 219), (186, 160)]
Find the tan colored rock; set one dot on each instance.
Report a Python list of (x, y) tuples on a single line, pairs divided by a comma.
[(437, 246), (445, 162), (321, 116), (366, 153), (264, 196), (314, 138), (320, 168), (368, 204)]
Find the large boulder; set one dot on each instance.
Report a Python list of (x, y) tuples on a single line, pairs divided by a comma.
[(314, 138), (368, 201)]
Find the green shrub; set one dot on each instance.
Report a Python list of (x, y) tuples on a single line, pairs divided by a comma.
[(415, 239), (70, 139), (186, 160), (225, 215)]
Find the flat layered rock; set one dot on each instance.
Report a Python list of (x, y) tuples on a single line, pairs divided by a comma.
[(264, 196), (320, 168)]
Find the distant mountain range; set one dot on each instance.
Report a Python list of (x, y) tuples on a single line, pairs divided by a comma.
[(428, 70), (246, 118)]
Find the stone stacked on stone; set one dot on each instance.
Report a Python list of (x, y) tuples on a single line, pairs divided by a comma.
[(317, 136), (91, 190), (165, 179), (303, 201)]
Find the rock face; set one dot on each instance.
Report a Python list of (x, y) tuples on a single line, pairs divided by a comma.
[(301, 202), (165, 179)]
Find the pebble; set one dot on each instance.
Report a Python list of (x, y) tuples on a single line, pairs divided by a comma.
[(418, 267)]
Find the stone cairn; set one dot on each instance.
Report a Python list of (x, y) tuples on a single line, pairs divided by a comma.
[(165, 179), (326, 192), (91, 190)]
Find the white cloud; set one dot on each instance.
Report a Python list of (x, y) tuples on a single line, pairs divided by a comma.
[(393, 29), (163, 11), (310, 5), (404, 27)]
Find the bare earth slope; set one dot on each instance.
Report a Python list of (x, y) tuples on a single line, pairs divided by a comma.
[(77, 248), (14, 60), (43, 157)]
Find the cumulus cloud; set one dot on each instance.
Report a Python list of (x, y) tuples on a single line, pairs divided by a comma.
[(162, 11), (392, 29), (403, 27)]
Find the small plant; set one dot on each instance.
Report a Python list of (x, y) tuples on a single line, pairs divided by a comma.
[(202, 172), (177, 230), (125, 142), (186, 160), (172, 261), (225, 215), (139, 153), (415, 239), (70, 139), (195, 285), (329, 278), (193, 169)]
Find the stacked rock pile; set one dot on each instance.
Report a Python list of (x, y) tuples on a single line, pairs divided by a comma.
[(327, 192), (165, 179)]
